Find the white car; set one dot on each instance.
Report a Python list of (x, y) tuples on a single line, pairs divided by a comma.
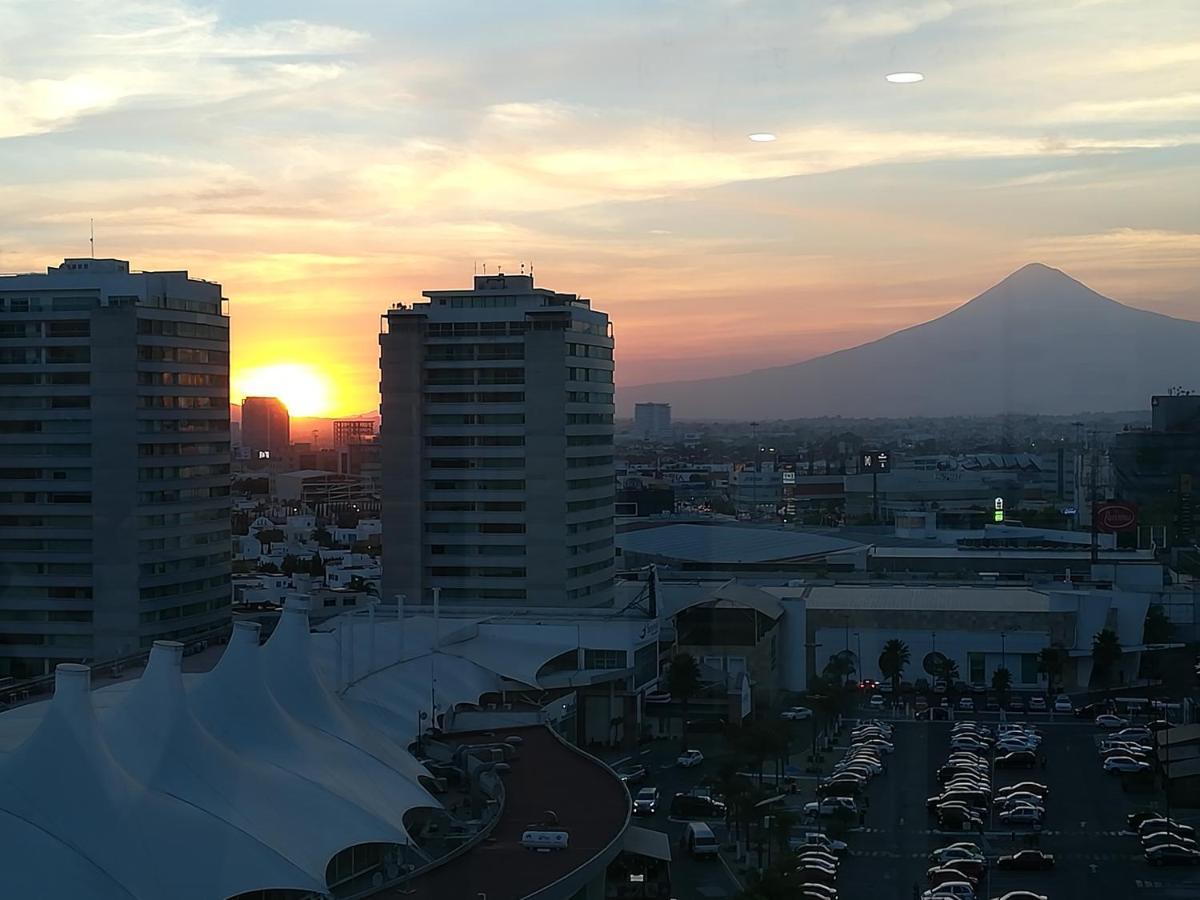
[(876, 744), (956, 851), (831, 806), (1062, 703), (966, 703), (1111, 722), (957, 890), (877, 701), (877, 723), (1125, 765), (1020, 798), (1134, 734), (689, 758), (820, 842), (1037, 703), (796, 714)]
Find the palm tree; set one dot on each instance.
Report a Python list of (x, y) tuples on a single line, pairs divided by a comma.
[(947, 671), (892, 660), (1050, 662), (1106, 653), (1001, 683), (1157, 628), (683, 683), (840, 667)]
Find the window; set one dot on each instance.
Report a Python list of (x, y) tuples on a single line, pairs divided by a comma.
[(976, 668), (604, 659)]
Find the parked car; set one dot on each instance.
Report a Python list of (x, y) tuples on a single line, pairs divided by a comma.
[(1023, 815), (1016, 704), (796, 713), (920, 704), (1090, 710), (1008, 801), (1125, 765), (991, 704), (1022, 895), (696, 806), (958, 890), (1137, 733), (966, 703), (698, 840), (1037, 703), (978, 687), (818, 841), (633, 773), (961, 850), (935, 714), (940, 875), (1111, 722), (1026, 859), (972, 869), (876, 701), (1018, 759), (1166, 837), (1032, 787), (1172, 855), (1157, 824), (646, 802), (689, 758), (1062, 703), (831, 807)]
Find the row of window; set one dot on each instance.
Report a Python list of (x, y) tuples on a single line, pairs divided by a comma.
[(597, 503), (28, 521), (587, 590), (589, 440), (36, 497), (589, 418), (600, 376), (178, 494), (170, 402), (43, 545), (72, 450), (469, 352), (56, 402), (473, 506), (45, 615), (487, 462), (200, 448), (578, 484), (589, 397), (181, 612), (166, 473), (477, 549), (183, 587), (483, 593), (44, 592), (604, 659), (183, 379), (591, 351), (590, 525), (588, 462), (33, 356), (499, 484), (67, 328), (186, 564), (475, 440), (477, 571), (475, 419), (37, 378), (50, 568), (171, 328), (38, 303), (589, 547), (483, 397), (73, 641), (475, 329), (191, 517), (181, 426), (475, 527), (24, 474), (47, 426), (578, 571), (148, 353), (454, 377), (183, 541)]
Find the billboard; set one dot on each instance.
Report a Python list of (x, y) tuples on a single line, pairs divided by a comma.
[(1113, 517), (878, 461)]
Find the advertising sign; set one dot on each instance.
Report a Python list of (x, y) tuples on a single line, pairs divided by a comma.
[(879, 461), (1112, 517)]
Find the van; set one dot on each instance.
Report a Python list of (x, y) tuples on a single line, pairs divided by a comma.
[(698, 840)]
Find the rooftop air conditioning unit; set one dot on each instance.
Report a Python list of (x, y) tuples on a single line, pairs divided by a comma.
[(544, 841)]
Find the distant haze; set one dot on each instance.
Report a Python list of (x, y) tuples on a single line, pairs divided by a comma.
[(1037, 342)]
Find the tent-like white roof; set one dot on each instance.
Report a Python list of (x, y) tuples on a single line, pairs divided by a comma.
[(250, 777)]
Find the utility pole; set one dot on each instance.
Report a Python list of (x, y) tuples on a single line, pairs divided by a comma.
[(1092, 489)]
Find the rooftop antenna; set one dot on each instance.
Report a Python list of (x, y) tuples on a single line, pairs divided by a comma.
[(92, 236), (522, 268)]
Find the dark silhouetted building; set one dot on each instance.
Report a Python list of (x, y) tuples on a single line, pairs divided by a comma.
[(266, 427)]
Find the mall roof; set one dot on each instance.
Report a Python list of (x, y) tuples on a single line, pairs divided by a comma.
[(728, 543), (921, 598), (250, 777)]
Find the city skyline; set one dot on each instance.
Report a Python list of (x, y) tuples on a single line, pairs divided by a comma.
[(324, 163)]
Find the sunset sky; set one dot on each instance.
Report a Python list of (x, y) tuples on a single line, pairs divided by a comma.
[(323, 160)]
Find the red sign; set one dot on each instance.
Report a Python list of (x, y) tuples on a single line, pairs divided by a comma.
[(1112, 517)]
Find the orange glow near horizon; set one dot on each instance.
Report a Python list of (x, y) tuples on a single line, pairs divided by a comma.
[(304, 390)]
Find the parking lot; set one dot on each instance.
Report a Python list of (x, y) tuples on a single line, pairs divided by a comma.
[(1096, 858)]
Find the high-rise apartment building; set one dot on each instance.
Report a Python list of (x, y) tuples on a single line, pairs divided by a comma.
[(352, 431), (497, 447), (114, 462), (266, 427), (652, 421)]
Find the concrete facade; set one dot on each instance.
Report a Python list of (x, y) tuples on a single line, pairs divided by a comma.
[(114, 479), (496, 446)]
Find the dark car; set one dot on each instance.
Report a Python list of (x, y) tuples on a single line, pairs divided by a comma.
[(1018, 759), (1135, 819), (935, 714), (992, 704), (1159, 725), (689, 806), (1172, 855), (843, 786), (632, 774), (1016, 704), (1090, 710), (1026, 859)]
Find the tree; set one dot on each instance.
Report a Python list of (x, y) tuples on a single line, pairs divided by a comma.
[(1002, 683), (1157, 627), (1050, 662), (892, 660), (840, 667), (947, 670), (1106, 653), (683, 683), (323, 537), (316, 565), (291, 565)]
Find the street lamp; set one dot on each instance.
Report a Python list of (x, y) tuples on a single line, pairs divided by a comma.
[(1003, 664), (858, 639), (933, 637)]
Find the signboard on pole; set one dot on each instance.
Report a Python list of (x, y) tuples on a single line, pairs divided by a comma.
[(877, 461)]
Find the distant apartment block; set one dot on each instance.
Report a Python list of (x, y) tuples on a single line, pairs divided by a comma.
[(114, 462), (497, 447), (352, 431), (266, 427), (652, 421)]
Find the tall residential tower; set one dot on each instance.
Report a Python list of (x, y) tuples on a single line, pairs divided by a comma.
[(497, 447), (266, 427), (114, 462)]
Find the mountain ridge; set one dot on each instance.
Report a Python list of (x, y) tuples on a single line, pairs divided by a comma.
[(1038, 341)]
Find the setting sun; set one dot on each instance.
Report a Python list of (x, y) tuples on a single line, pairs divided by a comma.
[(303, 389)]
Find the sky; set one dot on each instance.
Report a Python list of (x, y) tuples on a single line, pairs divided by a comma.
[(323, 161)]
